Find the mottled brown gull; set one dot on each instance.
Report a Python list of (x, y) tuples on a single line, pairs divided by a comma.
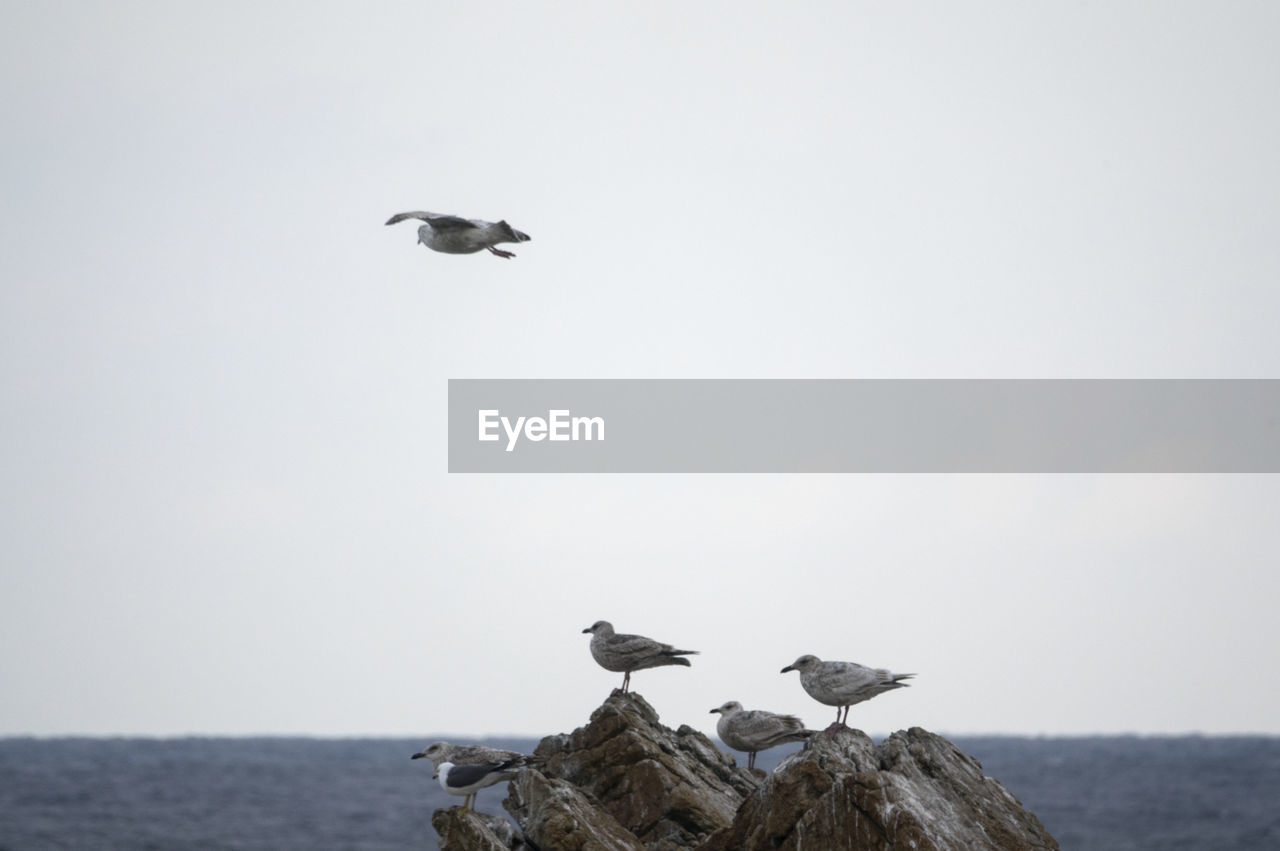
[(440, 752), (467, 780), (627, 653), (753, 730), (456, 235), (842, 684)]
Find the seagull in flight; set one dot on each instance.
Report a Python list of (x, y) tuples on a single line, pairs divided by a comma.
[(456, 235)]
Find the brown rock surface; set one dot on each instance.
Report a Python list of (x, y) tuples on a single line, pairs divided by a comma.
[(624, 782), (556, 816), (916, 790), (669, 788), (465, 830)]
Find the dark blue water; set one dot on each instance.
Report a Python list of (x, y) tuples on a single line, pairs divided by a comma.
[(276, 794)]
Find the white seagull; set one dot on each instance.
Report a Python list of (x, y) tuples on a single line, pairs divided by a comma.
[(842, 684), (627, 653), (456, 235), (756, 730), (467, 780)]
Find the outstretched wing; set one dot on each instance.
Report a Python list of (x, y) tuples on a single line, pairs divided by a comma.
[(436, 220), (400, 217)]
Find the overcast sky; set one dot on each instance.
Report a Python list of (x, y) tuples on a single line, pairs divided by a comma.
[(224, 505)]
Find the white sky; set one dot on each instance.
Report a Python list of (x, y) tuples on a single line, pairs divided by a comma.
[(224, 506)]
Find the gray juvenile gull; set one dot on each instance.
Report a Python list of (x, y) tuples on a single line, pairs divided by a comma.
[(456, 235), (628, 653), (842, 684), (439, 752), (467, 780), (756, 730)]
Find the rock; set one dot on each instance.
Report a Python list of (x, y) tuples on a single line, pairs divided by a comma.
[(916, 790), (461, 829), (624, 782), (556, 816), (668, 789)]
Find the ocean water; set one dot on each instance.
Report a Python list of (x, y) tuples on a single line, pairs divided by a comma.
[(277, 794)]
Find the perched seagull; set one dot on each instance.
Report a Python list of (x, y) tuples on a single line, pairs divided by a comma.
[(442, 752), (629, 653), (456, 235), (756, 730), (842, 684), (439, 752), (467, 780)]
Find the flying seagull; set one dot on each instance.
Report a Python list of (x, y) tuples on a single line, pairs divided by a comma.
[(456, 235), (628, 653), (842, 684), (756, 730), (467, 780)]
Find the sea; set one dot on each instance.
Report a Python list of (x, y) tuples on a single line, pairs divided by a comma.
[(1113, 793)]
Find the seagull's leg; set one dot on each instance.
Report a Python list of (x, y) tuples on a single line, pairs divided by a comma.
[(500, 252), (751, 760)]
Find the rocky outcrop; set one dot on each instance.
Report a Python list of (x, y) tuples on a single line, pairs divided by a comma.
[(557, 815), (916, 790), (669, 789), (461, 829), (626, 782)]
